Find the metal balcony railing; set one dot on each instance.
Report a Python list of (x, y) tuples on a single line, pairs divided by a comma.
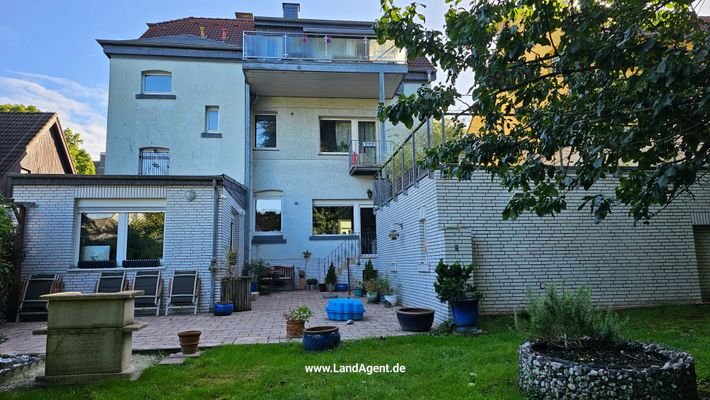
[(297, 46), (365, 156)]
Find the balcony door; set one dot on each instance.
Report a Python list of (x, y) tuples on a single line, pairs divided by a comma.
[(367, 138)]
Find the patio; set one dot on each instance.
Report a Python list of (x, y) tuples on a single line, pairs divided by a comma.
[(263, 324)]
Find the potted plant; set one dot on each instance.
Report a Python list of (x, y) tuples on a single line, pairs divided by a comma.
[(369, 272), (331, 278), (296, 320), (452, 286), (312, 283), (371, 288), (257, 269), (383, 287), (235, 290), (301, 279), (357, 288), (392, 295), (415, 319)]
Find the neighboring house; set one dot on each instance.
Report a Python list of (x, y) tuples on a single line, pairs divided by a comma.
[(31, 143), (282, 109)]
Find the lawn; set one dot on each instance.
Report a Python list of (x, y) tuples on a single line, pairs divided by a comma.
[(436, 366)]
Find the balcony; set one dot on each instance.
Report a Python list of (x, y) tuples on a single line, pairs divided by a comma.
[(326, 66), (364, 157), (324, 48)]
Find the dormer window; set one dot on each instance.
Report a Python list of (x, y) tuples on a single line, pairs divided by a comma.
[(157, 82)]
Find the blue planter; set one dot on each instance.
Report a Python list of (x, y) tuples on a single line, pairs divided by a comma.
[(357, 292), (465, 313), (341, 287), (320, 338), (222, 309), (254, 288)]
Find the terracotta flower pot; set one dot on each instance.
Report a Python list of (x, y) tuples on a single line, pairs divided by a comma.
[(294, 329), (189, 340)]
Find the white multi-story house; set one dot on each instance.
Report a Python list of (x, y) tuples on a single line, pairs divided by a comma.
[(258, 133)]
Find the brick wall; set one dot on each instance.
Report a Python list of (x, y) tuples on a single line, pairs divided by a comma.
[(622, 263), (50, 238)]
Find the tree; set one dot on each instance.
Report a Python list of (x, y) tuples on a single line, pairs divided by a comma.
[(567, 94), (17, 108), (80, 157), (7, 255)]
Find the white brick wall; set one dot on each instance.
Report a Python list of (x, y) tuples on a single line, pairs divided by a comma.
[(621, 263), (50, 240)]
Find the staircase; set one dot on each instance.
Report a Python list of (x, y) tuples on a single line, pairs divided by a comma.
[(343, 257)]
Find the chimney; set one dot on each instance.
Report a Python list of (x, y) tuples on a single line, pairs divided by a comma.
[(291, 10), (202, 32), (224, 33), (244, 16)]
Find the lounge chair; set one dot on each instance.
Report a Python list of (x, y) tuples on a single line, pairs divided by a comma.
[(184, 290), (151, 283), (31, 307), (111, 282)]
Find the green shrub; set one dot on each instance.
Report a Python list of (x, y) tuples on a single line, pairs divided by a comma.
[(452, 282), (7, 254), (331, 278), (567, 316), (368, 272)]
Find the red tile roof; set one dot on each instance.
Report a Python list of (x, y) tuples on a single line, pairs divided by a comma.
[(704, 22), (420, 64), (222, 29)]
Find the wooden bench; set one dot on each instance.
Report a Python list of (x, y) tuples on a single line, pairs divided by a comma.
[(282, 277)]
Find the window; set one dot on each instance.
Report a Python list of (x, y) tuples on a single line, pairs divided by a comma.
[(268, 215), (98, 240), (335, 136), (119, 236), (333, 220), (211, 119), (265, 131), (157, 82), (154, 161)]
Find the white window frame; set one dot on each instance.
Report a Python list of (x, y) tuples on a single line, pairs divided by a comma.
[(269, 195), (208, 110), (276, 119), (122, 208), (355, 204), (145, 74), (354, 133)]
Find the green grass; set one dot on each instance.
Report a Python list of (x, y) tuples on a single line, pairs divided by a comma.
[(436, 366)]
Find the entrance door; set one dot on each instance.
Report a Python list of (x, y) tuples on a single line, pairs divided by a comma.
[(368, 234), (702, 253)]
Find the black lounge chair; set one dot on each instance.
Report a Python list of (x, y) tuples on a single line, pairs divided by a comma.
[(184, 291), (111, 282), (151, 283), (31, 307)]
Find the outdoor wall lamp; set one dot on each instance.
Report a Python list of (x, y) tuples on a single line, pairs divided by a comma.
[(394, 234), (190, 195), (369, 193)]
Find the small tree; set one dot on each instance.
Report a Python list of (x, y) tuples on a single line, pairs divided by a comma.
[(369, 273), (7, 254), (331, 278), (452, 282)]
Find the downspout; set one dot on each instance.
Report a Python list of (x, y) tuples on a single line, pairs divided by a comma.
[(247, 172), (213, 265)]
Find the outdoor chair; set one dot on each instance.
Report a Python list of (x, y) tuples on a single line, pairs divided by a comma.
[(184, 291), (151, 284), (111, 282), (31, 307)]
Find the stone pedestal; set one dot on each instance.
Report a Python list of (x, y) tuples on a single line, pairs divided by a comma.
[(89, 336)]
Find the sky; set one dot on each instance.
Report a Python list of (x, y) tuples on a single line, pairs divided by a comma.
[(49, 56)]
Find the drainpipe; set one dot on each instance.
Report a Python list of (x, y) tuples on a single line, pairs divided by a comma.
[(213, 268), (247, 171), (383, 137)]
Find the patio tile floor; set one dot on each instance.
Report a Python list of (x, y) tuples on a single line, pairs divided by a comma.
[(263, 324)]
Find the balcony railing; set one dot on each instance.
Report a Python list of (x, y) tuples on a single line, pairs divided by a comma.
[(296, 46), (365, 157)]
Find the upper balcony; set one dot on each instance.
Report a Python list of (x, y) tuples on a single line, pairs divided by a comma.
[(321, 65), (308, 47)]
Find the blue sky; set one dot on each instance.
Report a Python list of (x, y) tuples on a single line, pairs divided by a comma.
[(49, 56)]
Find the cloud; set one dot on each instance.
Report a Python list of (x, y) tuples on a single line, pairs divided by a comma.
[(81, 108)]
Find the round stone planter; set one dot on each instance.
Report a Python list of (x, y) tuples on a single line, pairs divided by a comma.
[(415, 319), (320, 338), (543, 376)]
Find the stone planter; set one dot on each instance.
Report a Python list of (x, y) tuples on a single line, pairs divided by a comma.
[(542, 376)]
